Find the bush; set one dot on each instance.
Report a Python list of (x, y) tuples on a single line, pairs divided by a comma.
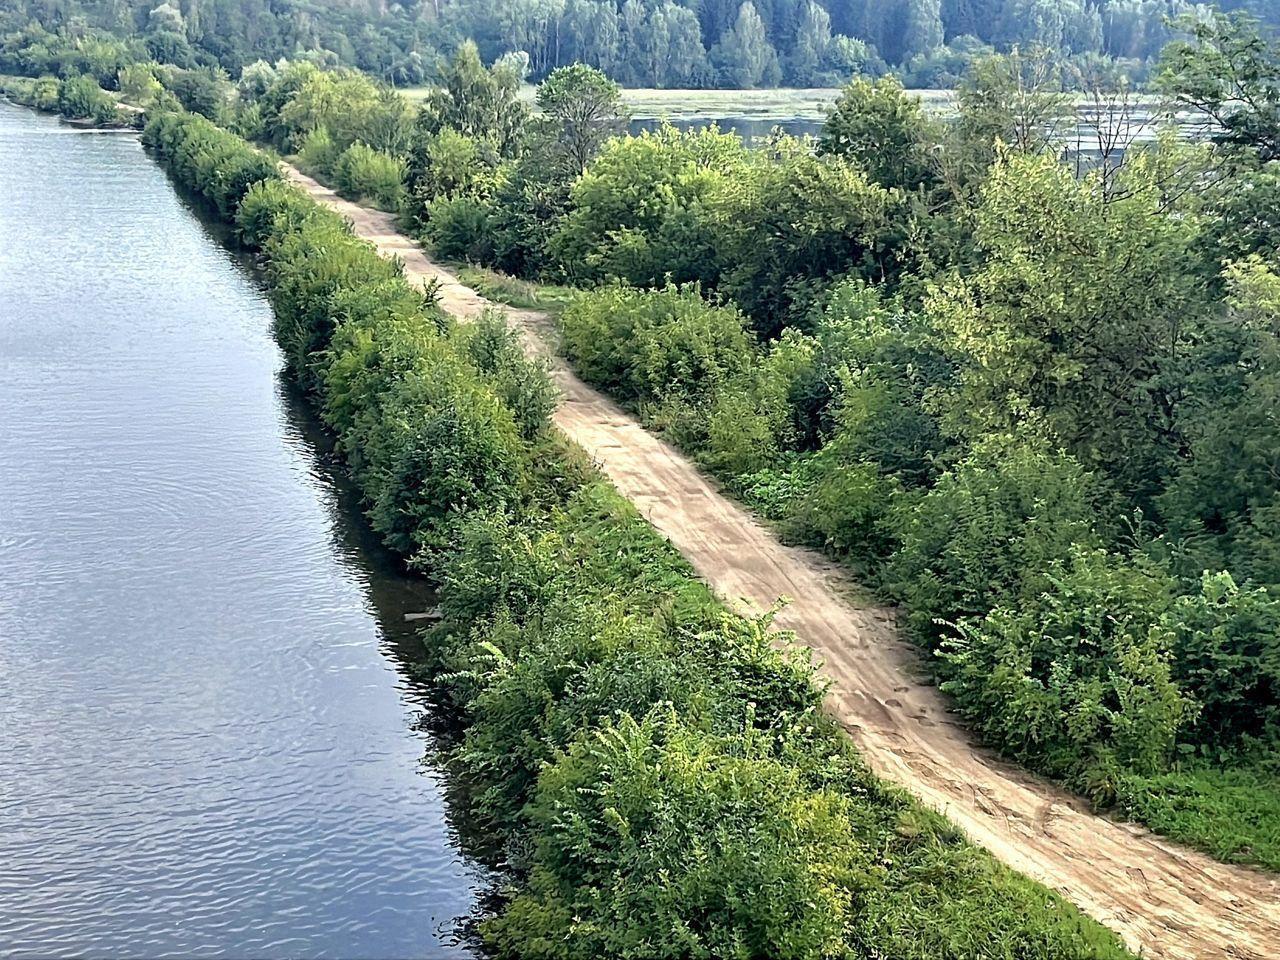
[(1077, 680), (361, 172), (1226, 643), (988, 531), (458, 228), (81, 98), (318, 152), (523, 384), (272, 208), (651, 833), (216, 164), (656, 345)]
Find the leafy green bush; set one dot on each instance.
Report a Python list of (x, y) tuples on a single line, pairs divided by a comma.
[(1077, 680), (216, 164), (988, 531), (1226, 645), (643, 211), (81, 98), (653, 836), (317, 152), (360, 172), (656, 345), (271, 208), (458, 228), (523, 384)]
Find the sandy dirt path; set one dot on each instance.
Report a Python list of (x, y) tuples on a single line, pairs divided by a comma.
[(1165, 900)]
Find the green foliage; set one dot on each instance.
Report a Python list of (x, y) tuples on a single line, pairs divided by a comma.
[(1077, 679), (879, 127), (458, 228), (1226, 645), (661, 838), (640, 211), (80, 97), (217, 164), (1227, 70), (656, 346), (317, 152), (824, 220), (477, 102), (360, 172), (582, 109), (1231, 813), (1085, 302), (988, 531)]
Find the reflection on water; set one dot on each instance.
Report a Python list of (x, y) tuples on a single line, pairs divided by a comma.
[(210, 739)]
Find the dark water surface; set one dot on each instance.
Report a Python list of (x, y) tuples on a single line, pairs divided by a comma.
[(207, 741)]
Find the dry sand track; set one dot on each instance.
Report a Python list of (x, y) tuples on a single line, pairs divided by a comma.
[(1166, 901)]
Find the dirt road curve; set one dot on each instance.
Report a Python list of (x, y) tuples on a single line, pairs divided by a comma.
[(1164, 900)]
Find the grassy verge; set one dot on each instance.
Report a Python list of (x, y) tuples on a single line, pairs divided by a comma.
[(513, 292), (1230, 813)]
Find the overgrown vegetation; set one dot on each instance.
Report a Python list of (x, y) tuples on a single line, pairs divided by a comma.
[(662, 772), (1032, 400)]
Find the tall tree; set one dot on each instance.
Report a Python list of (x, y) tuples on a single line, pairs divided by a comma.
[(582, 109), (744, 56)]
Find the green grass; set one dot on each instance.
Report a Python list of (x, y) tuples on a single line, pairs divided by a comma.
[(1232, 814), (522, 294)]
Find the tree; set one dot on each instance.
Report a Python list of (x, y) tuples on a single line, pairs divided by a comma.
[(477, 102), (1081, 313), (744, 55), (801, 221), (923, 29), (583, 108), (876, 125), (1230, 73), (811, 46)]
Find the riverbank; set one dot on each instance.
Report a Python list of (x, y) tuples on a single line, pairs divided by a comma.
[(1166, 900)]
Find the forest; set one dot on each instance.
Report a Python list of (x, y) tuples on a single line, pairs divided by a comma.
[(640, 43)]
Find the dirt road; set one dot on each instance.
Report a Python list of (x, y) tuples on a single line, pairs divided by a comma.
[(1164, 900)]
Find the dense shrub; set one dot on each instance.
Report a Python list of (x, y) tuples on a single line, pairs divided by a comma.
[(317, 152), (640, 212), (652, 835), (458, 228), (1226, 645), (217, 164), (360, 172), (655, 346), (1077, 679), (989, 530), (80, 97)]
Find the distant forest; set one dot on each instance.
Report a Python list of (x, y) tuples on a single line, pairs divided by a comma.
[(659, 43)]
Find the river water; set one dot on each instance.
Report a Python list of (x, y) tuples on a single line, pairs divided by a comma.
[(208, 738)]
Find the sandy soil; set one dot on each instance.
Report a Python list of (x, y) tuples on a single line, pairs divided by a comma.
[(1166, 901)]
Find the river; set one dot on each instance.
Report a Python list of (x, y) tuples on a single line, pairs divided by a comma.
[(208, 726)]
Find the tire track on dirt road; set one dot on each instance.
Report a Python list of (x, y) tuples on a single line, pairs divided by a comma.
[(1165, 900)]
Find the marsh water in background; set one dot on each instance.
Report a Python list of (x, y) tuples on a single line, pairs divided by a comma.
[(209, 741)]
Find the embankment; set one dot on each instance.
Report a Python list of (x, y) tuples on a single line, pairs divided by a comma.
[(1165, 900)]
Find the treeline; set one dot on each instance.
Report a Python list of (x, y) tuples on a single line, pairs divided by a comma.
[(662, 774), (1032, 399), (663, 43)]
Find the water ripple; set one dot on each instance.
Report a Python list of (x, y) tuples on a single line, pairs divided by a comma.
[(209, 742)]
